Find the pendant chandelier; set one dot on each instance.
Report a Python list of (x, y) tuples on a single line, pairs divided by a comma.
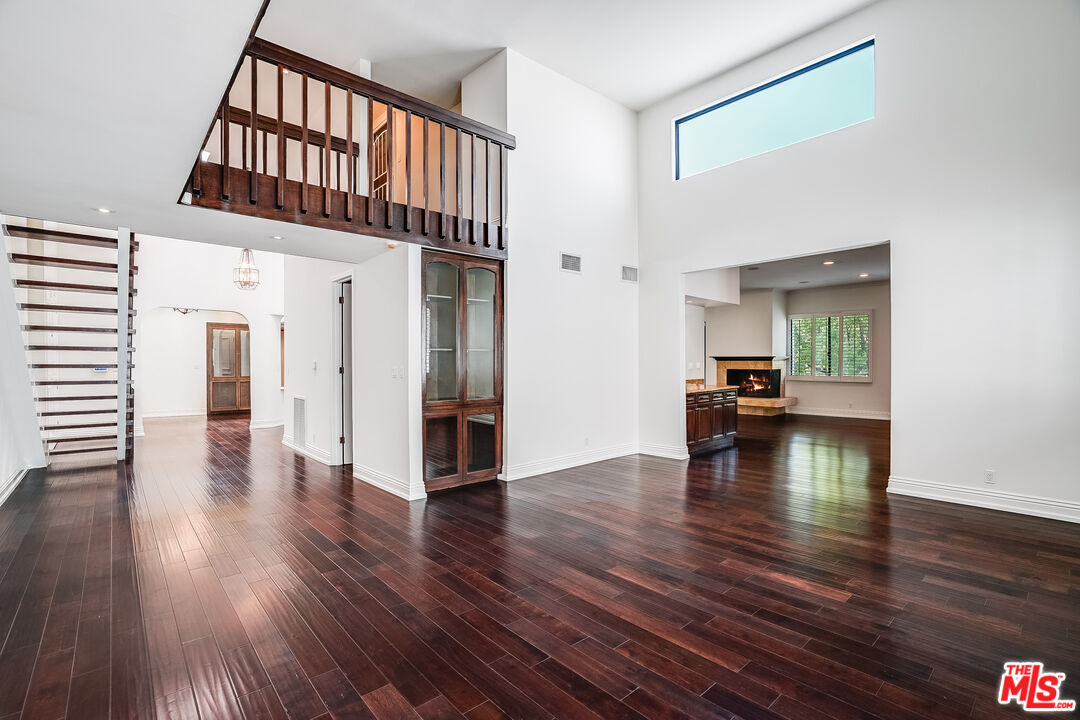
[(245, 275)]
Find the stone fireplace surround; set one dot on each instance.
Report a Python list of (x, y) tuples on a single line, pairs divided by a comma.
[(751, 405)]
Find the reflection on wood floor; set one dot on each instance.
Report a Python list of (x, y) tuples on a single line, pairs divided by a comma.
[(223, 575)]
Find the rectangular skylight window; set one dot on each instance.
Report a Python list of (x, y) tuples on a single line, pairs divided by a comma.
[(833, 93)]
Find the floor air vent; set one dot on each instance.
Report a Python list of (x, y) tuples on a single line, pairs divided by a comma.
[(299, 422), (629, 274), (570, 263)]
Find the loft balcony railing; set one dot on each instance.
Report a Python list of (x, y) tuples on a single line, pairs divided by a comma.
[(297, 140)]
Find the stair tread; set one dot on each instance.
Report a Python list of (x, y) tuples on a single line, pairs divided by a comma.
[(80, 426), (74, 366), (76, 348), (58, 413), (72, 328), (74, 382), (70, 308), (69, 287), (74, 451), (62, 236)]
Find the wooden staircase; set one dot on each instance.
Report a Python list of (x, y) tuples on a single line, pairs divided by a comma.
[(67, 284)]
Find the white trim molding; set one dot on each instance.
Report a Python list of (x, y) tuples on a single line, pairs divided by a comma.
[(12, 482), (392, 485), (315, 453), (172, 414), (565, 462), (986, 498), (265, 424), (840, 412), (672, 452)]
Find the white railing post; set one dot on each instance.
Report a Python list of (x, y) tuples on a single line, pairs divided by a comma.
[(123, 275)]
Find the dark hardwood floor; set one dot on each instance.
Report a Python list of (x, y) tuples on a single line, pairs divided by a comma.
[(224, 576)]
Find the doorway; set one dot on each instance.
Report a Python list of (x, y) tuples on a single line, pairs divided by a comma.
[(228, 368), (341, 397)]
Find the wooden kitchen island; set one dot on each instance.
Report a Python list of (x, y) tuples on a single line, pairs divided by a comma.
[(712, 417)]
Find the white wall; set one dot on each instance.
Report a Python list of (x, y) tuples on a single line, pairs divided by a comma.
[(177, 273), (386, 372), (969, 170), (848, 399), (172, 347), (696, 363), (20, 441), (310, 368), (571, 340), (743, 329)]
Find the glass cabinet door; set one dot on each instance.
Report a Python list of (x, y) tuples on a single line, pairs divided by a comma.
[(224, 352), (441, 331), (441, 457), (480, 333), (481, 438)]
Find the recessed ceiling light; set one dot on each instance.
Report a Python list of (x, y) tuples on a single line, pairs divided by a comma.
[(804, 282), (829, 262), (103, 211), (752, 267), (275, 237), (864, 274)]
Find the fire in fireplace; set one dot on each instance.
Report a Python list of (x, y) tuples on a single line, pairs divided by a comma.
[(755, 383)]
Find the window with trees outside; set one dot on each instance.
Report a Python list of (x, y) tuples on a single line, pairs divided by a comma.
[(834, 346)]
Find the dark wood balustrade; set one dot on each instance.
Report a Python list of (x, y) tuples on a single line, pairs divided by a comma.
[(297, 140)]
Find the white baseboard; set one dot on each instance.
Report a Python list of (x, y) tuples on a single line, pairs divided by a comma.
[(174, 414), (392, 485), (564, 462), (265, 424), (315, 453), (986, 498), (672, 452), (840, 412), (11, 483)]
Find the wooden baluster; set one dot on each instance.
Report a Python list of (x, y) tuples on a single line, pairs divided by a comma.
[(337, 169), (303, 143), (320, 166), (280, 136), (326, 142), (349, 151), (472, 190), (458, 221), (389, 165), (265, 144), (502, 196), (226, 176), (487, 192), (243, 148), (408, 170), (254, 130), (370, 161), (424, 217), (442, 180)]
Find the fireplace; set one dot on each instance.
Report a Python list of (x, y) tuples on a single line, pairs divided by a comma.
[(755, 383)]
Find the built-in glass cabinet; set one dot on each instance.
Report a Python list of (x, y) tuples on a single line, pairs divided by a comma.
[(462, 321)]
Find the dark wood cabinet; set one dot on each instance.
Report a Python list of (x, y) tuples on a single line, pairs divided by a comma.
[(711, 419), (463, 357)]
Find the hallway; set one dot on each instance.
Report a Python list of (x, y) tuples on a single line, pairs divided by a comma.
[(775, 580)]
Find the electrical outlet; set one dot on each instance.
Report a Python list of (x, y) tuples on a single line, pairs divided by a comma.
[(988, 477), (586, 442)]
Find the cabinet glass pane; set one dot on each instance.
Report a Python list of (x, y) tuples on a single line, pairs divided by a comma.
[(245, 353), (480, 284), (224, 352), (441, 447), (480, 433), (441, 330)]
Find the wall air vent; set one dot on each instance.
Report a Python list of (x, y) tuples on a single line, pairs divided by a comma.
[(629, 273), (570, 263), (299, 420)]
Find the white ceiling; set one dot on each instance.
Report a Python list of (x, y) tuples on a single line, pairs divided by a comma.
[(810, 271), (633, 51), (106, 104)]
